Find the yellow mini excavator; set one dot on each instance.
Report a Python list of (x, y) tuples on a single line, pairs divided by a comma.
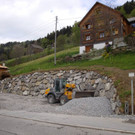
[(63, 92)]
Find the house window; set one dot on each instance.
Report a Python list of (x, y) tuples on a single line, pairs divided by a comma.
[(115, 31), (133, 25), (102, 35), (83, 27), (88, 26), (98, 11), (88, 37), (107, 33), (100, 23), (112, 20)]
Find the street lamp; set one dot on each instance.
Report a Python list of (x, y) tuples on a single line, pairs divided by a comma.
[(131, 75)]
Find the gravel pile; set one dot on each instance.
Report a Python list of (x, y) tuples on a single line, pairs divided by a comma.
[(97, 106)]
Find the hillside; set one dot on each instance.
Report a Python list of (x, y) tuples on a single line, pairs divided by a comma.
[(122, 61), (127, 9)]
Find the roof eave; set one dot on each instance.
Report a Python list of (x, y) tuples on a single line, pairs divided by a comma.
[(103, 5)]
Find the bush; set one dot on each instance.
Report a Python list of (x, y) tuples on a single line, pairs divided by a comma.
[(107, 51), (130, 40)]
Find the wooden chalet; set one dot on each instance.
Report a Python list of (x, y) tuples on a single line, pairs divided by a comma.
[(102, 24), (32, 49)]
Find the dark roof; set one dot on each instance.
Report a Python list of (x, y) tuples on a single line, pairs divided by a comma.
[(37, 46), (104, 6)]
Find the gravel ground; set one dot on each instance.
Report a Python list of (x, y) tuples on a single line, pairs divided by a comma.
[(99, 106), (27, 103)]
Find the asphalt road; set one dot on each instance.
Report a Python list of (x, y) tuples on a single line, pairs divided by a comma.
[(20, 126)]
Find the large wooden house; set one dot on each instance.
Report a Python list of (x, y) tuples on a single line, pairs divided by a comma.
[(102, 24)]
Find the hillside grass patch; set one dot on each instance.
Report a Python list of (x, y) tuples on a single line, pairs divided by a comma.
[(123, 61)]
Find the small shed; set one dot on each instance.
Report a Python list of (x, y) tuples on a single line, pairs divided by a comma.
[(132, 22), (3, 68), (32, 49), (4, 72)]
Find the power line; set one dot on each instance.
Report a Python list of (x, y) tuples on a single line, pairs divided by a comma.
[(38, 30), (59, 25), (70, 18), (41, 26)]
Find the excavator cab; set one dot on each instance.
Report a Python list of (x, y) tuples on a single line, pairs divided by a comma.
[(59, 84)]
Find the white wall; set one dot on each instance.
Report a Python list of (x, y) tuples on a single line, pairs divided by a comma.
[(82, 49), (100, 45), (95, 46)]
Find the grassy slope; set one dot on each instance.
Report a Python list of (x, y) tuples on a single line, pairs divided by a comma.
[(122, 61), (44, 63), (27, 58)]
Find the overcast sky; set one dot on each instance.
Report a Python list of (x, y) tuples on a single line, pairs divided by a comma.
[(22, 20)]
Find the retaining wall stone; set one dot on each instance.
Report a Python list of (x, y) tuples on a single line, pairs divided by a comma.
[(34, 84)]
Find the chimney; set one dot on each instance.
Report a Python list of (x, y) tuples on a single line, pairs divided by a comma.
[(3, 64)]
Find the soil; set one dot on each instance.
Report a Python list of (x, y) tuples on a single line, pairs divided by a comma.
[(121, 81)]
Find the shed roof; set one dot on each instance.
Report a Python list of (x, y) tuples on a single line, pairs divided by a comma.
[(3, 67), (37, 46), (132, 19)]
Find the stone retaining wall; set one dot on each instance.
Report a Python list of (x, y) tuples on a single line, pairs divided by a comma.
[(36, 83)]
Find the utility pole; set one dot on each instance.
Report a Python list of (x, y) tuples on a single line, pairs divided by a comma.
[(55, 41), (132, 97), (131, 75)]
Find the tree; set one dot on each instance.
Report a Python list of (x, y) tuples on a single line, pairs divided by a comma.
[(129, 6), (48, 49), (130, 40), (60, 42), (45, 42), (133, 13), (123, 11), (3, 57), (17, 52), (76, 34)]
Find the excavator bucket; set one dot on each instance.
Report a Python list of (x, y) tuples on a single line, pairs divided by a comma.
[(81, 94)]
